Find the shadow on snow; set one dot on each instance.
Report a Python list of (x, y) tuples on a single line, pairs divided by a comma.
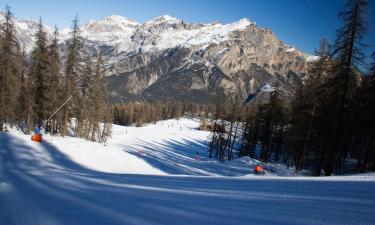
[(41, 185), (178, 157)]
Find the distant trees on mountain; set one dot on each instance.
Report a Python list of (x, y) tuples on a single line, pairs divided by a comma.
[(31, 90), (140, 113)]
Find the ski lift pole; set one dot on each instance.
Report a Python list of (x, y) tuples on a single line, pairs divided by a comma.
[(59, 108)]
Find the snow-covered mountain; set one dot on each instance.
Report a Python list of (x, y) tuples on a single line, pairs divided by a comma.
[(167, 58)]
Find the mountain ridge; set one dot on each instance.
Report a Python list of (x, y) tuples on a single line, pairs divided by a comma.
[(146, 61)]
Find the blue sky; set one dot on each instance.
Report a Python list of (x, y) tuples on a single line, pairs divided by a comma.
[(300, 23)]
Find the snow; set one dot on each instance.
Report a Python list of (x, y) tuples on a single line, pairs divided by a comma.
[(166, 148), (268, 88), (102, 158), (312, 58), (149, 175), (163, 19), (202, 36), (110, 24), (23, 26)]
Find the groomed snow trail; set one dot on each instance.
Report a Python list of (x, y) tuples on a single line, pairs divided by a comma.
[(51, 184)]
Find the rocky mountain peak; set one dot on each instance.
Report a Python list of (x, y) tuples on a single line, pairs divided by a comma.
[(163, 19), (112, 23)]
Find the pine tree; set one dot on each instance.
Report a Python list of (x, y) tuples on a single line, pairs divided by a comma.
[(99, 107), (72, 72), (38, 76), (272, 117), (215, 130), (348, 55), (23, 109), (305, 108), (83, 104), (55, 85), (9, 69), (364, 123)]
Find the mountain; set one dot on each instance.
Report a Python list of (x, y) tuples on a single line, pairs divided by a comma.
[(166, 58)]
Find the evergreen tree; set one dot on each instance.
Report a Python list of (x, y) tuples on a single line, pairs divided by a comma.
[(348, 55), (38, 76), (307, 105), (24, 109), (365, 122), (272, 118), (98, 105), (55, 86), (83, 104), (72, 72), (9, 69)]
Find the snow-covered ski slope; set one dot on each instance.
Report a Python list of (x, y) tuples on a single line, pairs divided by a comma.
[(149, 176)]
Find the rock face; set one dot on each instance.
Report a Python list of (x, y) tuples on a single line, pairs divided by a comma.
[(166, 58), (203, 62)]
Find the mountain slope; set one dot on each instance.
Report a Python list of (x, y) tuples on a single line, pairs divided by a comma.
[(167, 58), (74, 181)]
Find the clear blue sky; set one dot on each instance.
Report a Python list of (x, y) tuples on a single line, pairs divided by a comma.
[(301, 23)]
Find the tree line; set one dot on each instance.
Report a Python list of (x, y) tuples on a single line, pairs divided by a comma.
[(33, 87), (140, 113), (327, 127)]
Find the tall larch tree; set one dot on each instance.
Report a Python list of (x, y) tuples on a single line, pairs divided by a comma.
[(24, 99), (82, 111), (305, 108), (9, 69), (348, 55), (72, 73), (99, 108), (55, 89), (38, 76)]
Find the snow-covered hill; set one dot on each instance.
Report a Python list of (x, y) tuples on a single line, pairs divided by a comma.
[(165, 148), (148, 175)]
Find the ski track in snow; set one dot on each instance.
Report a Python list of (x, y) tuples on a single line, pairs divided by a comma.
[(149, 176)]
